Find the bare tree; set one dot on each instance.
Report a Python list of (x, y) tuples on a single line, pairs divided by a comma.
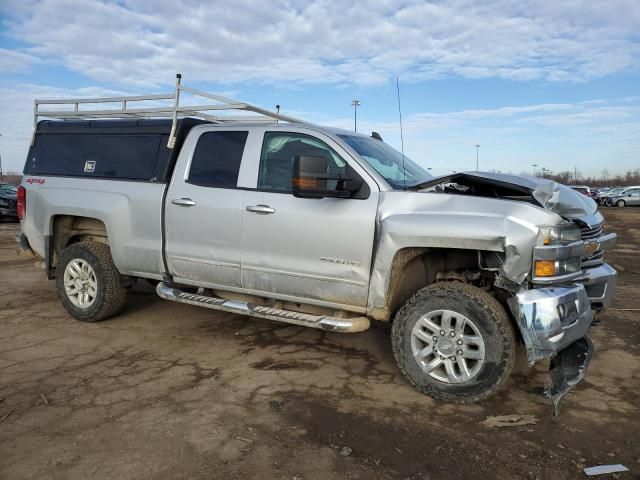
[(605, 179)]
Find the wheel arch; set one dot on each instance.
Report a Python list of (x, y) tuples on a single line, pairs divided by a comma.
[(414, 268), (70, 229)]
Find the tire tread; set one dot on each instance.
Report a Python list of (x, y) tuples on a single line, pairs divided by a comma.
[(486, 302), (114, 292)]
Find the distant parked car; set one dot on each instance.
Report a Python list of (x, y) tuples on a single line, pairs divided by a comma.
[(587, 191), (583, 189), (626, 198), (8, 201), (604, 196)]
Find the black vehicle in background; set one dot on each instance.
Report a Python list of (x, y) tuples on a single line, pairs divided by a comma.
[(8, 201)]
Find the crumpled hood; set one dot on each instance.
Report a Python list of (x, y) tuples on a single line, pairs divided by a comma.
[(550, 195)]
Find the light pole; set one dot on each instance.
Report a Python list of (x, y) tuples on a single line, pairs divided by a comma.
[(355, 104), (477, 155), (1, 177), (534, 165)]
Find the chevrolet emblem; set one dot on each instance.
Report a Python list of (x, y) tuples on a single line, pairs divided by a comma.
[(591, 248)]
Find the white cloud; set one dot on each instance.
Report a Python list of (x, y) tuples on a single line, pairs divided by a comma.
[(591, 134), (512, 137), (13, 61), (143, 42)]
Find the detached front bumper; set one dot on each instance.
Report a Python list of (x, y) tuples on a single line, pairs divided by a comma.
[(551, 318), (567, 369), (554, 322)]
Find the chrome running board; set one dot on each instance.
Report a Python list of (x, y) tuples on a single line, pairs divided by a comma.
[(321, 322)]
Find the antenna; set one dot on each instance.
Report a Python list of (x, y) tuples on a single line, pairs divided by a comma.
[(404, 172)]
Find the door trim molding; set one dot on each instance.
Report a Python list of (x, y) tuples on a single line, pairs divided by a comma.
[(305, 275)]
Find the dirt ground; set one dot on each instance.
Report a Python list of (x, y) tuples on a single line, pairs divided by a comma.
[(170, 391)]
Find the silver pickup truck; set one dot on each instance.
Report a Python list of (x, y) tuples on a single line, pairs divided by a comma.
[(323, 228)]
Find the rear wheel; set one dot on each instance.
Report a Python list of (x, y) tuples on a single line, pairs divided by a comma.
[(88, 283), (454, 342), (620, 203)]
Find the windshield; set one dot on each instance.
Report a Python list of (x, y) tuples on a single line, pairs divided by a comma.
[(387, 161), (8, 188)]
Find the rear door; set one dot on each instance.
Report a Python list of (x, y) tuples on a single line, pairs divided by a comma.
[(317, 249), (203, 209)]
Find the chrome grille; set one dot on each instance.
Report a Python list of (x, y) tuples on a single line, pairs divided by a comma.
[(593, 260), (590, 233)]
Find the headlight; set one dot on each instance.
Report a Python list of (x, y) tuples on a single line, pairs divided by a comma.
[(558, 253), (560, 234)]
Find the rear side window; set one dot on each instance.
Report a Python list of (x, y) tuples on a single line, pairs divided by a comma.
[(216, 160), (131, 157)]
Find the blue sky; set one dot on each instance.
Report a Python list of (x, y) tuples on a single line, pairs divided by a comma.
[(551, 83)]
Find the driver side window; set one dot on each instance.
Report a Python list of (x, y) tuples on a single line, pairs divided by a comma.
[(278, 151)]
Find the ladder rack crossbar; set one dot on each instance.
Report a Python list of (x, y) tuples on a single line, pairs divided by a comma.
[(133, 98), (118, 114), (134, 111), (175, 110)]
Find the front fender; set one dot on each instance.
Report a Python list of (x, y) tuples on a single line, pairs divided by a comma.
[(437, 220)]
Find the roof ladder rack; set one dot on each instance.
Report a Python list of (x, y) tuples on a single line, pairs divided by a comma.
[(174, 111)]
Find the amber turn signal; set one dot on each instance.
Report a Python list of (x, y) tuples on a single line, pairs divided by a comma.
[(545, 268), (306, 183)]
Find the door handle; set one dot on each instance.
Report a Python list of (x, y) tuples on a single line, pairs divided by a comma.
[(183, 202), (262, 209)]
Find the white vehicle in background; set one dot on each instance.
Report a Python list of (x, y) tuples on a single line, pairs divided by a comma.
[(626, 197)]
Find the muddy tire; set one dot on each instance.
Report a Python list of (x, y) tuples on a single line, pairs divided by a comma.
[(620, 203), (88, 283), (454, 342)]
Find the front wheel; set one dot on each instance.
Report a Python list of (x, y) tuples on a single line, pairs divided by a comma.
[(620, 203), (88, 283), (454, 342)]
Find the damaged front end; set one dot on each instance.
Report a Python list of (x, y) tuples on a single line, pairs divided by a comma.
[(554, 310), (568, 278)]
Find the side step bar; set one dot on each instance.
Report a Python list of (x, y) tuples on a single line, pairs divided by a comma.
[(321, 322)]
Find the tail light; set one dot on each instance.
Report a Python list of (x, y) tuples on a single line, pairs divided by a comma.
[(22, 202)]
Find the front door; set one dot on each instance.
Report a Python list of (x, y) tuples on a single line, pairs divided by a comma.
[(203, 211), (633, 197), (317, 249)]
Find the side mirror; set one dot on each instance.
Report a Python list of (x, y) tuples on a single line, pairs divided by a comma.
[(310, 179), (309, 176)]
